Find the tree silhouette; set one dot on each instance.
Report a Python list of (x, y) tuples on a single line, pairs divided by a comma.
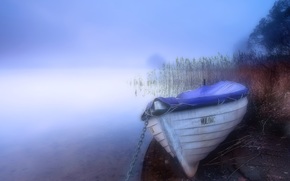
[(272, 35)]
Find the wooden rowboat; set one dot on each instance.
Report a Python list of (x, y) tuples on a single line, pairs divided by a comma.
[(195, 122)]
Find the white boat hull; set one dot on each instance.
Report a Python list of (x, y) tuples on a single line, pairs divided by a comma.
[(190, 135)]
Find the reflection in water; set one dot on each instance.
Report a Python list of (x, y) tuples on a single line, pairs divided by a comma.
[(68, 125)]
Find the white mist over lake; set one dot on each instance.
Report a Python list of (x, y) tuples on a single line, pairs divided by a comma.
[(68, 124)]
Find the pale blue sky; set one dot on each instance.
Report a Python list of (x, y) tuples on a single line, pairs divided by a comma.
[(62, 33)]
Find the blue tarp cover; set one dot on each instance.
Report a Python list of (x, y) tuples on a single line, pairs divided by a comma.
[(221, 92)]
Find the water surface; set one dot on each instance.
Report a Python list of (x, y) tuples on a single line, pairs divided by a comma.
[(73, 124)]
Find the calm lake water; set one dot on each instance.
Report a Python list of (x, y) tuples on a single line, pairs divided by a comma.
[(73, 124)]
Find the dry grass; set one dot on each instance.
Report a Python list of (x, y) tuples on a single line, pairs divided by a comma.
[(269, 85)]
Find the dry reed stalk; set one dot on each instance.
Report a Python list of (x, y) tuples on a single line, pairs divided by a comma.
[(238, 143)]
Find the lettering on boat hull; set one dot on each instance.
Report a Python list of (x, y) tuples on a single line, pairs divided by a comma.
[(207, 120)]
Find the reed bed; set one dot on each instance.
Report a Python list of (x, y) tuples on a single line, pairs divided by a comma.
[(268, 79), (185, 74)]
